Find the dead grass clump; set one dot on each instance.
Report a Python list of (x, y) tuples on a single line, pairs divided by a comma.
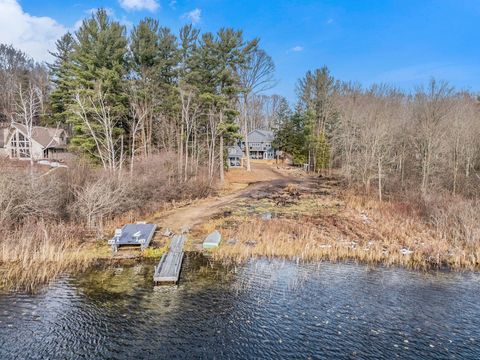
[(37, 253), (440, 231), (364, 230), (455, 219)]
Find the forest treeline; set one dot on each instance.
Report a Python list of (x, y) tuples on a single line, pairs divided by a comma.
[(384, 139), (153, 111), (124, 96)]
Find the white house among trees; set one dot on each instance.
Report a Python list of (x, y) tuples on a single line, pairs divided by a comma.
[(20, 142)]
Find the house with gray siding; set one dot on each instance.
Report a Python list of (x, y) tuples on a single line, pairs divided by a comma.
[(235, 156), (260, 145)]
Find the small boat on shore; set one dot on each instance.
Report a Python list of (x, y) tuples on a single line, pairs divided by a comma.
[(212, 240)]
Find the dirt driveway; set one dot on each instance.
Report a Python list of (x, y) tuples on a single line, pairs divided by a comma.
[(239, 184)]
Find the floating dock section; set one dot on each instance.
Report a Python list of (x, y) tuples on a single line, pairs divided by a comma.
[(168, 269), (133, 235)]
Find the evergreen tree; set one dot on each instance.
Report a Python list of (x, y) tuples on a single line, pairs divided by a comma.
[(291, 137), (187, 50), (315, 92), (282, 113), (145, 66), (100, 66), (168, 72), (145, 49), (61, 98), (322, 152), (218, 58)]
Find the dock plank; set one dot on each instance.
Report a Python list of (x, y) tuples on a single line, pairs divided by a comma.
[(168, 269)]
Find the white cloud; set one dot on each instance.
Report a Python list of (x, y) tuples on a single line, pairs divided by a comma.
[(92, 11), (330, 21), (34, 35), (173, 4), (77, 25), (297, 48), (136, 5), (194, 16)]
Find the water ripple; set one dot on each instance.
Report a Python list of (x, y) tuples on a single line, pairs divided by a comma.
[(263, 310)]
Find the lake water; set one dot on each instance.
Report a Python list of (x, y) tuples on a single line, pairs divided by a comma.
[(273, 310)]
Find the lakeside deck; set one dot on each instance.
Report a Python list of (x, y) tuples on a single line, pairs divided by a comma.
[(133, 235), (168, 269)]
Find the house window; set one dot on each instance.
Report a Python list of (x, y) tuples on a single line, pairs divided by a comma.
[(20, 146), (23, 146)]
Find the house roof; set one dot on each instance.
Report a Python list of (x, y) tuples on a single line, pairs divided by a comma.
[(42, 135), (260, 136), (235, 151)]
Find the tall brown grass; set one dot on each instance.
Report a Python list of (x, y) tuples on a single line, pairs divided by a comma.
[(38, 253), (365, 230), (49, 219)]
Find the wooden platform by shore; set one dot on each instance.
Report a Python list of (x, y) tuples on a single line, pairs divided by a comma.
[(168, 269), (139, 234)]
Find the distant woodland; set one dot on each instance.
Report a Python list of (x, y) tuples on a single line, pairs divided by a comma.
[(129, 98), (151, 91), (382, 138)]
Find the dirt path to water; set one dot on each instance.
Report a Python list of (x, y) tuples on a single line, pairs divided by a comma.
[(239, 184)]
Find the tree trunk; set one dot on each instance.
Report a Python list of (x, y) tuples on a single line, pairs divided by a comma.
[(180, 153), (245, 130), (132, 158), (186, 157), (222, 173)]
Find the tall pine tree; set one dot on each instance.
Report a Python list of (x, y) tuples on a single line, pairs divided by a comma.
[(100, 66), (61, 73), (145, 69)]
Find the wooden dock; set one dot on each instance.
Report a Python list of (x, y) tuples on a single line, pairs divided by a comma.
[(168, 269), (139, 234)]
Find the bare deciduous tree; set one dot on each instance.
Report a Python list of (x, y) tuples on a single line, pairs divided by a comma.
[(100, 122), (28, 106), (256, 76), (95, 200)]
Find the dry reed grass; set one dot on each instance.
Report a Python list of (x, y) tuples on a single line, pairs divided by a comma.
[(360, 229), (43, 218), (38, 253)]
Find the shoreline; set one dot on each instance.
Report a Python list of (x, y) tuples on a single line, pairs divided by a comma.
[(296, 218), (226, 255), (231, 260)]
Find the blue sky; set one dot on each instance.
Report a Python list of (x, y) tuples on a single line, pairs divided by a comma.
[(402, 43)]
